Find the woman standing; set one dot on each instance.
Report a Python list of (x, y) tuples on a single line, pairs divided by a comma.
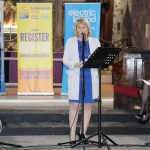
[(73, 60)]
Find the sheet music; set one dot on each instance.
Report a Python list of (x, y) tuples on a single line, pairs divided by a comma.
[(147, 82)]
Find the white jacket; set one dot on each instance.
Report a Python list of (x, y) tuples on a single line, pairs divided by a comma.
[(71, 56)]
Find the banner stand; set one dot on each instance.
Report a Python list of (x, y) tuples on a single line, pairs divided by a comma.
[(2, 76), (35, 48), (2, 85), (74, 11)]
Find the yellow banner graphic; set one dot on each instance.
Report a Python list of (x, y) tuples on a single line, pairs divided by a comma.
[(35, 49)]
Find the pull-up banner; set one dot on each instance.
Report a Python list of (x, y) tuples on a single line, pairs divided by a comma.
[(2, 77), (74, 11), (35, 49)]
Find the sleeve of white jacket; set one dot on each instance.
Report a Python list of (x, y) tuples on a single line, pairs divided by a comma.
[(67, 59), (98, 43)]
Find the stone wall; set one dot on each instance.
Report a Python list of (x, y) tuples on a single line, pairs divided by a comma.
[(130, 19), (141, 17), (122, 22)]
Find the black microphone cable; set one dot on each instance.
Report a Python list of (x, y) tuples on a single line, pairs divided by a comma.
[(74, 119)]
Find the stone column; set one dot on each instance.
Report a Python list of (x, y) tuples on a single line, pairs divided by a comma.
[(58, 26)]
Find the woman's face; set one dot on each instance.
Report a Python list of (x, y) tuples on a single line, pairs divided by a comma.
[(82, 28)]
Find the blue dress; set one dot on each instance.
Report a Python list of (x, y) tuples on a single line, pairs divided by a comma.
[(87, 76)]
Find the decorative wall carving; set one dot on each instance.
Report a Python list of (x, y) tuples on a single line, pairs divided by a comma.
[(10, 13)]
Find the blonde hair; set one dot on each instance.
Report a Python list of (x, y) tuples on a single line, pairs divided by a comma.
[(82, 21)]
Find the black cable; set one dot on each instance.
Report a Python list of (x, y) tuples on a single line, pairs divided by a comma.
[(4, 147), (1, 126), (74, 120)]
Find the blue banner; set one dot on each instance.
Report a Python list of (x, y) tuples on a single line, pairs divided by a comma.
[(2, 77), (74, 11), (2, 87)]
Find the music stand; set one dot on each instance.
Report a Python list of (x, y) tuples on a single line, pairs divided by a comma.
[(100, 58)]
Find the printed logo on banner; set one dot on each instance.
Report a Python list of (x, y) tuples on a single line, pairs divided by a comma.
[(34, 17), (45, 13), (36, 12), (45, 17), (24, 13), (89, 14)]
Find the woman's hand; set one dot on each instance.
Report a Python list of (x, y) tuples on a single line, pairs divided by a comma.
[(89, 55), (79, 64)]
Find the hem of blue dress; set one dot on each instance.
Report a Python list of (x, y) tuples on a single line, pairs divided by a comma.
[(77, 101)]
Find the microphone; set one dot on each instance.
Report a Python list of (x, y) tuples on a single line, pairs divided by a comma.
[(83, 34)]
